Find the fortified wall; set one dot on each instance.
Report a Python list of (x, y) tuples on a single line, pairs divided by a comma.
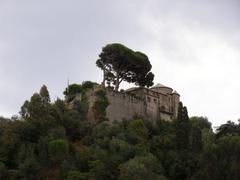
[(158, 102)]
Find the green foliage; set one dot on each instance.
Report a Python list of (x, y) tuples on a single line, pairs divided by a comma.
[(77, 89), (88, 85), (29, 168), (120, 63), (183, 128), (100, 105), (58, 150), (141, 168), (42, 151), (44, 94), (228, 129), (208, 138), (73, 89), (98, 169), (3, 123), (137, 132), (120, 151), (222, 160), (77, 175), (228, 152), (201, 122), (49, 140), (67, 166), (3, 171), (202, 135)]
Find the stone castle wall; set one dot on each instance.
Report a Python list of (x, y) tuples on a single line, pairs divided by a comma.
[(124, 106), (146, 103)]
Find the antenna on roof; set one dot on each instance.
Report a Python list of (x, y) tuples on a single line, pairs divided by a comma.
[(67, 84)]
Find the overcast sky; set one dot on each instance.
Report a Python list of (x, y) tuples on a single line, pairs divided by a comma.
[(194, 47)]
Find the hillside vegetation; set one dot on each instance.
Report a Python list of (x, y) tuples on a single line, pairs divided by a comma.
[(49, 140)]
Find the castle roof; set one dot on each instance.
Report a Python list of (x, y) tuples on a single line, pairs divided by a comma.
[(158, 85), (175, 92), (131, 89)]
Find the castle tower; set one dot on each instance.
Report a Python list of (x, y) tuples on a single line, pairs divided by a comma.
[(176, 100), (169, 100), (160, 88)]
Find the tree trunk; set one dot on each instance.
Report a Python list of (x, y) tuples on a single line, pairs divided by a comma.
[(104, 78), (117, 82), (116, 86)]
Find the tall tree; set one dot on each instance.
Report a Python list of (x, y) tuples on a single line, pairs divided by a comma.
[(44, 94), (228, 129), (38, 105), (141, 66), (120, 63), (183, 128)]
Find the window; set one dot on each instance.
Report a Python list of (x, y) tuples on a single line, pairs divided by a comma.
[(155, 101), (162, 108), (149, 99)]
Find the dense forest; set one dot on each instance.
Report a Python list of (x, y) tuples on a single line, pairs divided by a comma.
[(49, 140)]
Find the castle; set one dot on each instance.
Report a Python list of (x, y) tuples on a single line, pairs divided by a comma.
[(158, 102)]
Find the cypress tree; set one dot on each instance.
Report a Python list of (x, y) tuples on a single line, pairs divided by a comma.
[(183, 128)]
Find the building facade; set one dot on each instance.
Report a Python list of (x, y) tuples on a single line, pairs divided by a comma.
[(158, 102)]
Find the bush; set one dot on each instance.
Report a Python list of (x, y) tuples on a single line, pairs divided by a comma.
[(3, 171), (29, 168), (58, 150)]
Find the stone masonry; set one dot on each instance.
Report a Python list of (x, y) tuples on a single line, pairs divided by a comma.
[(158, 102)]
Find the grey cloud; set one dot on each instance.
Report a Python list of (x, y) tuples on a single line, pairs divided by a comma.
[(45, 42)]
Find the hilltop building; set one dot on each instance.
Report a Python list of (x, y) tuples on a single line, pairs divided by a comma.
[(158, 102)]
